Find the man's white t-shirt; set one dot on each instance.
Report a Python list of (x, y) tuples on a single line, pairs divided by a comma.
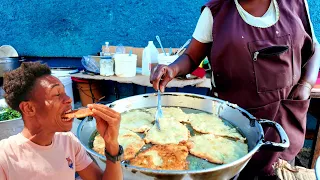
[(21, 159)]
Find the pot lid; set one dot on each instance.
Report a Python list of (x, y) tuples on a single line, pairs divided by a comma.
[(8, 51), (63, 71)]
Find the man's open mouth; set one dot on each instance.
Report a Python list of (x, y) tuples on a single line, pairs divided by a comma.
[(65, 118)]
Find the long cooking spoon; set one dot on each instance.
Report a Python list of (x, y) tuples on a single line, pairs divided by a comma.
[(159, 111), (159, 41)]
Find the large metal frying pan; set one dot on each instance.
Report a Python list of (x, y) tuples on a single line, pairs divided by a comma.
[(248, 125)]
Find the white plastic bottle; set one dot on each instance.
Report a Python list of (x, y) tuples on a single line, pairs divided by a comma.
[(106, 66), (149, 58), (106, 50), (106, 62)]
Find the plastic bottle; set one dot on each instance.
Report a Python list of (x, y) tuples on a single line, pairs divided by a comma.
[(106, 50), (106, 66), (149, 58), (106, 62)]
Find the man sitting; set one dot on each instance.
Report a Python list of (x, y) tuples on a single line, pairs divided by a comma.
[(45, 149)]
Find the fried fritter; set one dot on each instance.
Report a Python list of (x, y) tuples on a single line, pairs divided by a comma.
[(217, 150), (79, 113), (136, 121), (172, 112), (130, 141), (163, 157), (211, 124), (172, 132)]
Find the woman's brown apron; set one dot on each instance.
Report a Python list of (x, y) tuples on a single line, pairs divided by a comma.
[(257, 68)]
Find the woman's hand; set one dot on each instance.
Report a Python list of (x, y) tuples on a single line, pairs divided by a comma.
[(108, 123), (301, 91), (161, 76), (185, 64)]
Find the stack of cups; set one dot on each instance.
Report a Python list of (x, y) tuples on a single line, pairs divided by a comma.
[(125, 65)]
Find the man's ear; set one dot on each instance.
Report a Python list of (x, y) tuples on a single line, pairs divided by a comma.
[(27, 108)]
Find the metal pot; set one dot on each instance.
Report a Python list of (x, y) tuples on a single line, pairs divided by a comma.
[(248, 125), (9, 63)]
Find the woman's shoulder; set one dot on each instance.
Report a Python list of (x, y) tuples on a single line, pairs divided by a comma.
[(293, 4), (215, 5)]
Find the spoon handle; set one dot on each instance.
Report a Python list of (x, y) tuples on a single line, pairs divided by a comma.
[(185, 44), (159, 41)]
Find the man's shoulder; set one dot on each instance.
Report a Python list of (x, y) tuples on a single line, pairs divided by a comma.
[(8, 147), (6, 143)]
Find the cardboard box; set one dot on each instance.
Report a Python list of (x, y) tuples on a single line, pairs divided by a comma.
[(138, 51)]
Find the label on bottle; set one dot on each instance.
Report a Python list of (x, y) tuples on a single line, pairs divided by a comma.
[(106, 67)]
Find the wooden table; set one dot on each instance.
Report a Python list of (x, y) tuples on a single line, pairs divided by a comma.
[(314, 108), (145, 80)]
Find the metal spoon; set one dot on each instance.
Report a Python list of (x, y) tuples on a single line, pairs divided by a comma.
[(182, 47), (159, 111), (159, 41)]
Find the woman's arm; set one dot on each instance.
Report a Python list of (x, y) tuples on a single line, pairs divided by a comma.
[(310, 70), (191, 58), (308, 78), (185, 64)]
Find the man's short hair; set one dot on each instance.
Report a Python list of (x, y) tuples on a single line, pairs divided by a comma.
[(18, 83)]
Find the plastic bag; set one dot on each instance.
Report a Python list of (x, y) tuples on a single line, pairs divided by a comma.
[(120, 49), (285, 171), (90, 64)]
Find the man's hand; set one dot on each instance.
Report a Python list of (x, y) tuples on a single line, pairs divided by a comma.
[(108, 123), (300, 92)]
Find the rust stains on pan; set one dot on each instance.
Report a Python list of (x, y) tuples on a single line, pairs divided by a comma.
[(193, 96)]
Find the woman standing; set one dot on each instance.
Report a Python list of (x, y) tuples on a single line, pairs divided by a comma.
[(264, 57)]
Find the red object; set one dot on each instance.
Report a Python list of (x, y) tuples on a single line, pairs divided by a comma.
[(79, 80), (199, 72), (317, 85), (318, 80)]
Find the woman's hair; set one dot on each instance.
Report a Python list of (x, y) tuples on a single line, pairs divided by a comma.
[(18, 83)]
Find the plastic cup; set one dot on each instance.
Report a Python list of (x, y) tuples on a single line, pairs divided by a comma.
[(166, 60)]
